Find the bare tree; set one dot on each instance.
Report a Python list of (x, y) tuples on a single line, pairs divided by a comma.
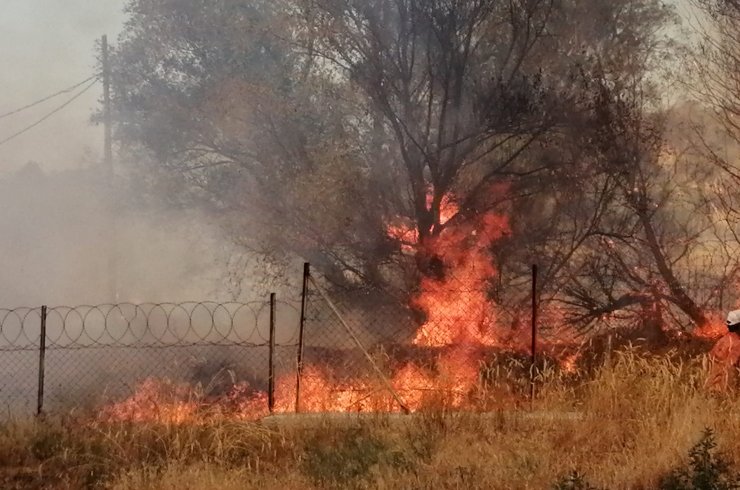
[(662, 255)]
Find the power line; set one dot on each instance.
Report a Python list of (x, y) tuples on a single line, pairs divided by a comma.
[(41, 101), (47, 116)]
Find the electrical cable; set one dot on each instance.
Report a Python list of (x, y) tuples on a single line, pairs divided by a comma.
[(50, 114), (41, 101)]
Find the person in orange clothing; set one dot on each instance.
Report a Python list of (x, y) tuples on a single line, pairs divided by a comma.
[(725, 355)]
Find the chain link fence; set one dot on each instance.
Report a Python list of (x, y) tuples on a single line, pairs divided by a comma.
[(365, 350), (333, 350), (63, 359)]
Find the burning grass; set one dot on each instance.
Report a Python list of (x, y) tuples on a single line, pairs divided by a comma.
[(628, 425)]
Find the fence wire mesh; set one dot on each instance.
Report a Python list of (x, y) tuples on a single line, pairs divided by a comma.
[(141, 357), (345, 364), (363, 350), (445, 343), (20, 333)]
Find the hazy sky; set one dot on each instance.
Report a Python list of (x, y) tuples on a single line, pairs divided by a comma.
[(48, 45)]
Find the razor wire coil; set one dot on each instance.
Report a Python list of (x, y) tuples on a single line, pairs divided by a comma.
[(145, 325)]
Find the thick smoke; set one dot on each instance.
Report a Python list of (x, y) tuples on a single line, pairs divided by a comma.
[(63, 241)]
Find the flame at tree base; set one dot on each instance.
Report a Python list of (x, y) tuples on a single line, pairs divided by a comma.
[(714, 328), (460, 326)]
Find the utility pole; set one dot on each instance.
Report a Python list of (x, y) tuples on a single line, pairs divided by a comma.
[(108, 164), (108, 159), (533, 363)]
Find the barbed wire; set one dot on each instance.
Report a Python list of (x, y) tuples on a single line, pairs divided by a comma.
[(19, 335), (148, 325), (87, 356), (361, 349)]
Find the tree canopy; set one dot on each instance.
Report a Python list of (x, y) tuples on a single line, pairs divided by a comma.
[(309, 127)]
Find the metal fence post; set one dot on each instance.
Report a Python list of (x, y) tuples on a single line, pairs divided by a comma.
[(304, 293), (271, 367), (42, 359), (534, 333)]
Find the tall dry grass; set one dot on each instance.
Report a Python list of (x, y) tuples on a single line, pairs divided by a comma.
[(625, 426)]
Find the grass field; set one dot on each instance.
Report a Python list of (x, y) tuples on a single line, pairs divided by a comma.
[(635, 424)]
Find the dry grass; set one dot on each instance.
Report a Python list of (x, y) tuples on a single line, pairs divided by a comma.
[(638, 419)]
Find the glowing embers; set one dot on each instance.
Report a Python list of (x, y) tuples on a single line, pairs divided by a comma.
[(714, 328), (569, 363)]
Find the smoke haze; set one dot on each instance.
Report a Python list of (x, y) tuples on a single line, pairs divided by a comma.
[(47, 46), (56, 234), (56, 238)]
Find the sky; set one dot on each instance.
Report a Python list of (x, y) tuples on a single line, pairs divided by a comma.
[(49, 45)]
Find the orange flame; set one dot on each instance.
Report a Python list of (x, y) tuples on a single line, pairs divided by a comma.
[(459, 314), (163, 401), (459, 323), (714, 328), (457, 307), (569, 363)]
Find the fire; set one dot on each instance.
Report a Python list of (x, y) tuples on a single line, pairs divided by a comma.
[(714, 328), (459, 325), (459, 317), (456, 305), (321, 393), (569, 363), (163, 401), (408, 235)]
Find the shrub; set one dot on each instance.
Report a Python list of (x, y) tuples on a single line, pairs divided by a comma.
[(573, 481), (705, 471)]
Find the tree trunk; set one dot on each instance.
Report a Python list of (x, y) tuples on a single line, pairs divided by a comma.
[(680, 297)]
